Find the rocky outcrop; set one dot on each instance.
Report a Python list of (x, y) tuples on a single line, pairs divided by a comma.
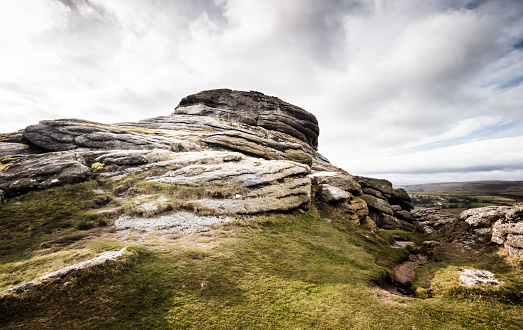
[(67, 134), (260, 147), (389, 208), (401, 197), (508, 231), (254, 109), (431, 219), (331, 194), (484, 216), (342, 191), (273, 185), (43, 171), (343, 181), (503, 223)]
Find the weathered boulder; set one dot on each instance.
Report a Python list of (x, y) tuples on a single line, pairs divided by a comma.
[(508, 225), (331, 194), (404, 215), (388, 221), (67, 134), (337, 179), (501, 230), (43, 171), (381, 185), (401, 197), (2, 197), (378, 204), (515, 214), (255, 109), (373, 192), (259, 147), (484, 216)]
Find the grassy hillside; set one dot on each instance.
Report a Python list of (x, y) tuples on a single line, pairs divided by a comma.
[(303, 270)]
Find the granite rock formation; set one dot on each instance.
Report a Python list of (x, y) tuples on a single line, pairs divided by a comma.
[(254, 109), (263, 148), (505, 224), (389, 208)]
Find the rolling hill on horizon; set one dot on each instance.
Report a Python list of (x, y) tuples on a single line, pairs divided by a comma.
[(486, 186)]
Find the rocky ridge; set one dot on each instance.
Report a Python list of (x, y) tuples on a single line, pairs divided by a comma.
[(478, 226), (263, 148)]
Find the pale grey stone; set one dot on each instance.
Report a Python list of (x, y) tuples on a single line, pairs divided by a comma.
[(473, 277), (177, 223)]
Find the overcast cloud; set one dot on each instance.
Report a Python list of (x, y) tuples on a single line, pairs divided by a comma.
[(408, 90)]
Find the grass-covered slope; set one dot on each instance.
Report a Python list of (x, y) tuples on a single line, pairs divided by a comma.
[(292, 271)]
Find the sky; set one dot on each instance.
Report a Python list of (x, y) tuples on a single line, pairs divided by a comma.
[(407, 90)]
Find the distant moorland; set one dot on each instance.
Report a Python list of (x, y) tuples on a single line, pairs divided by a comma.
[(459, 196)]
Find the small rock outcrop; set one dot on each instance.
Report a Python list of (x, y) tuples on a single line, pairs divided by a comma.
[(43, 171), (432, 219), (389, 208), (483, 216), (504, 223), (254, 109), (341, 190)]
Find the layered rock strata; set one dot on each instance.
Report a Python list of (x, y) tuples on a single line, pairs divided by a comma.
[(254, 109), (258, 146), (389, 208)]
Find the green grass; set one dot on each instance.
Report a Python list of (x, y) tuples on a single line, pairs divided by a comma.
[(290, 271)]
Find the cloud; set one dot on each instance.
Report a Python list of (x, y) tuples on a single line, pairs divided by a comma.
[(493, 158), (399, 78)]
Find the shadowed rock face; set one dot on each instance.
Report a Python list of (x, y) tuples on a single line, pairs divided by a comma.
[(255, 109)]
